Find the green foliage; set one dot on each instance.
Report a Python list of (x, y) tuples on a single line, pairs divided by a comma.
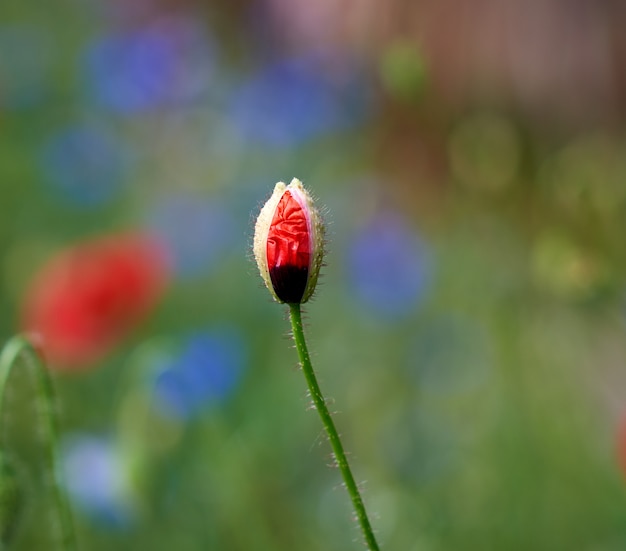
[(11, 500), (484, 410)]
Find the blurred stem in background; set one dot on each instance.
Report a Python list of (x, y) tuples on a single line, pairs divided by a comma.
[(329, 425), (20, 347)]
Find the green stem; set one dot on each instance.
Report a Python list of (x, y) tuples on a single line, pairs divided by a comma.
[(329, 425), (15, 348)]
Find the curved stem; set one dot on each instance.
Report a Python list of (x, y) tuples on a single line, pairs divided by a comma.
[(15, 348), (329, 425)]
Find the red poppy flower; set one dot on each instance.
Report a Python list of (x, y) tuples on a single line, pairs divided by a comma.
[(86, 298)]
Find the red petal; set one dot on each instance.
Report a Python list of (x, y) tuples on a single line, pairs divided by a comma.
[(289, 249), (87, 297)]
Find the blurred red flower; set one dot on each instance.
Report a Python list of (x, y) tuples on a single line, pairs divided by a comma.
[(89, 296)]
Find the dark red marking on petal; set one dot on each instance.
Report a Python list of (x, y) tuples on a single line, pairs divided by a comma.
[(289, 283), (289, 249)]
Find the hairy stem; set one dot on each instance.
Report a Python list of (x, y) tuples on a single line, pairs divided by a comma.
[(329, 425), (20, 347)]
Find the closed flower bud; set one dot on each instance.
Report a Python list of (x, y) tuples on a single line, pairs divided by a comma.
[(289, 243)]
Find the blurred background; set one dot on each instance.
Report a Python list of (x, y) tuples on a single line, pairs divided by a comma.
[(470, 321)]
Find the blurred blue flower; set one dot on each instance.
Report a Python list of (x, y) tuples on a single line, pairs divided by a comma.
[(25, 59), (290, 101), (389, 267), (198, 232), (94, 476), (204, 375), (85, 164), (167, 62)]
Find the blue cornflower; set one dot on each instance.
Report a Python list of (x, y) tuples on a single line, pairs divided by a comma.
[(389, 266), (289, 101), (85, 164), (95, 478), (205, 374), (167, 62), (197, 231)]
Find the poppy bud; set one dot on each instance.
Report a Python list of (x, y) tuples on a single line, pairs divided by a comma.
[(289, 243)]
